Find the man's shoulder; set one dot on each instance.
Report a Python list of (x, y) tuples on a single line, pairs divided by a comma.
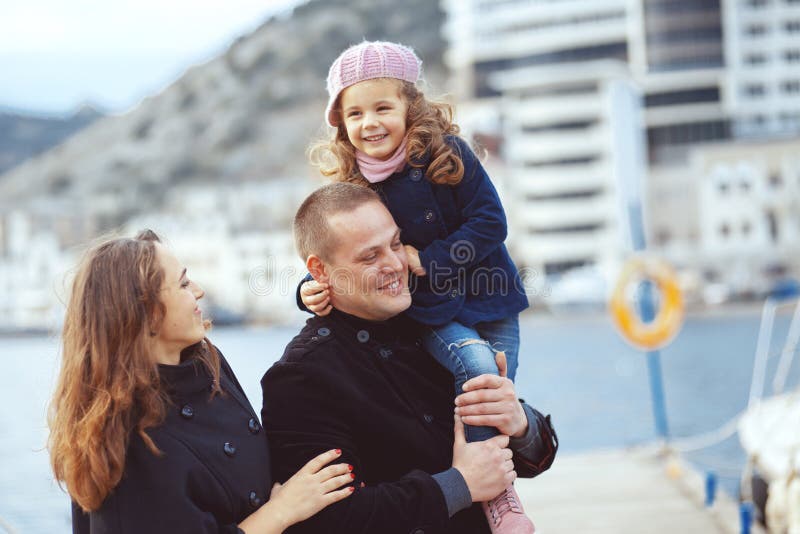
[(313, 339)]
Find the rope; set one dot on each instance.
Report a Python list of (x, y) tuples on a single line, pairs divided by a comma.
[(7, 527), (703, 441)]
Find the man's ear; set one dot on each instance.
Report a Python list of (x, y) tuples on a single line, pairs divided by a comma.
[(316, 267)]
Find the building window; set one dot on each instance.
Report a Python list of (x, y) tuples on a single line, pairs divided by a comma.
[(757, 30), (790, 121), (723, 187), (755, 90), (691, 96), (756, 3), (791, 86), (755, 59), (746, 228), (793, 26), (745, 186), (792, 56), (725, 230), (775, 180)]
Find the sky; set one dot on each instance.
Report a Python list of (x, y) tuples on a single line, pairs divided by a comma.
[(56, 55)]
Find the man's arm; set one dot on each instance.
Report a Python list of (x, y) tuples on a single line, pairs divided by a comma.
[(490, 400)]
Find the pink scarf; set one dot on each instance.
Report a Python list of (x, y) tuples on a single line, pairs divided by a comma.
[(377, 170)]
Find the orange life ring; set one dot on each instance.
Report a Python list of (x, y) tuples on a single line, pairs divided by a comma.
[(669, 318)]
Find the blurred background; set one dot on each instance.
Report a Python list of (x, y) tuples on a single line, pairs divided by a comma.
[(193, 119)]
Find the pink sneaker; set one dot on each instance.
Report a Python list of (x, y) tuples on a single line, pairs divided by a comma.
[(505, 515)]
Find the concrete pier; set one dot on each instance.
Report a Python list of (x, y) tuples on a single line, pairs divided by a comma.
[(639, 491)]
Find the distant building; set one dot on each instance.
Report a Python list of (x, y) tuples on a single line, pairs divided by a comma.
[(557, 72), (33, 275), (762, 83), (749, 206), (697, 73), (236, 242), (575, 157)]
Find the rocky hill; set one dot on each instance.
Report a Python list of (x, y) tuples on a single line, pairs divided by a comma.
[(24, 135), (245, 116)]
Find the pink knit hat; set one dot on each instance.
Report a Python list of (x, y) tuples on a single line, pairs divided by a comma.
[(368, 60)]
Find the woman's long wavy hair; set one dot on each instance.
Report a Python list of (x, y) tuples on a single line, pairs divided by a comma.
[(427, 124), (109, 383)]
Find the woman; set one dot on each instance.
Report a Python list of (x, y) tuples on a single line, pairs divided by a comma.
[(150, 430)]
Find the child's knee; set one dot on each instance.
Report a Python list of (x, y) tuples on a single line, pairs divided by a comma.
[(476, 354)]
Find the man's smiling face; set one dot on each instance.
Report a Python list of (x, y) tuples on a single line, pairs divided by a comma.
[(368, 268)]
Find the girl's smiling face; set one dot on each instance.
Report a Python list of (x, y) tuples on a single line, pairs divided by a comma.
[(374, 115)]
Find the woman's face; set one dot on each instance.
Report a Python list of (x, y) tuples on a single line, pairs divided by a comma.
[(182, 325)]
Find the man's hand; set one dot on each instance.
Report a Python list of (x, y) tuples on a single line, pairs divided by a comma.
[(491, 400), (414, 264), (316, 297), (485, 465)]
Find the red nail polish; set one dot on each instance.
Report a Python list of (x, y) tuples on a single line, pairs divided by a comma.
[(349, 467), (351, 489), (338, 451), (353, 476)]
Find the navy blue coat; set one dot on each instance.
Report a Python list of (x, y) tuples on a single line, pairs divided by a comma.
[(459, 231)]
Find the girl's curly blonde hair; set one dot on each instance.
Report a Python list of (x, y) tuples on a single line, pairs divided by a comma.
[(427, 124)]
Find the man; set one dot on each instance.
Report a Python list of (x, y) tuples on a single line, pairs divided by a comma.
[(358, 380)]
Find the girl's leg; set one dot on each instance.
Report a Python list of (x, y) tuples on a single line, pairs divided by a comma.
[(503, 335), (465, 354)]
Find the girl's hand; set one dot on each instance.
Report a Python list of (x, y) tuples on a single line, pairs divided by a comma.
[(316, 297), (413, 261), (310, 490)]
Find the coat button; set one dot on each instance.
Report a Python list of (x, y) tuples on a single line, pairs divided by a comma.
[(187, 412), (324, 331), (430, 216), (416, 175), (385, 353), (255, 501), (454, 293), (362, 336), (229, 449), (428, 418), (253, 426)]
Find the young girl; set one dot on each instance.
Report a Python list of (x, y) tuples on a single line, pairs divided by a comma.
[(388, 136), (149, 428)]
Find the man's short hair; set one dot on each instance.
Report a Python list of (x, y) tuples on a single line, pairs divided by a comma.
[(312, 233)]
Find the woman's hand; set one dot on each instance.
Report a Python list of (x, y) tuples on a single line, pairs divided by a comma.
[(310, 490), (414, 263), (316, 297)]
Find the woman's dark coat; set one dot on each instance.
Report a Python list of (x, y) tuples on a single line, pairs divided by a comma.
[(214, 470)]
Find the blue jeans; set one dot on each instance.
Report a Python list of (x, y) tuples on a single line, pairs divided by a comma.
[(453, 345)]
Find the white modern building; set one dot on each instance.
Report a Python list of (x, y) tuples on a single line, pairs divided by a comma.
[(576, 160), (762, 83), (749, 206), (706, 72), (556, 73), (33, 275)]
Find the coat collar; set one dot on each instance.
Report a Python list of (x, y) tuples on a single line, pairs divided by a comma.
[(190, 376), (397, 328)]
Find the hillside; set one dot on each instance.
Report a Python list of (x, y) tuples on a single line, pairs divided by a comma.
[(24, 135), (245, 116)]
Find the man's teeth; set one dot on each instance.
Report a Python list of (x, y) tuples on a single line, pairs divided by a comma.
[(393, 285)]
